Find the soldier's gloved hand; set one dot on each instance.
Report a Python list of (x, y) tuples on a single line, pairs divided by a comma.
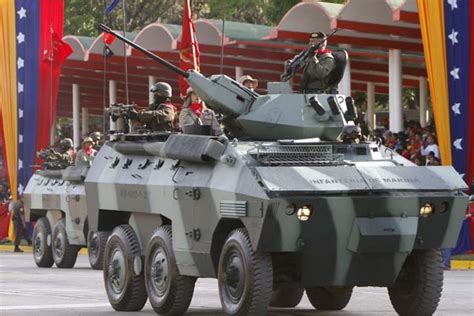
[(133, 114)]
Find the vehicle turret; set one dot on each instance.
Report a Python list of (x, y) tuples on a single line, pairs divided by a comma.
[(250, 115)]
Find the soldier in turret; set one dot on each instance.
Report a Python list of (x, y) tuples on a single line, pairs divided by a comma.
[(87, 153), (317, 70), (160, 114), (195, 112), (96, 138)]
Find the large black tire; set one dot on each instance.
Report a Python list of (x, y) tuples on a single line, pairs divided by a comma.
[(169, 292), (125, 288), (95, 248), (286, 295), (418, 288), (42, 252), (245, 277), (64, 254), (329, 298)]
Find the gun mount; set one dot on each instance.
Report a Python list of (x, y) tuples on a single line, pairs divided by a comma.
[(264, 117)]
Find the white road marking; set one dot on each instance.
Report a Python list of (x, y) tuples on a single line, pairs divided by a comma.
[(52, 306)]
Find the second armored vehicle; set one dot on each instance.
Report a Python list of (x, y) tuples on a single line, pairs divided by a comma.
[(56, 200)]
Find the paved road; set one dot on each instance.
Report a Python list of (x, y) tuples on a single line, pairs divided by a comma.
[(26, 289)]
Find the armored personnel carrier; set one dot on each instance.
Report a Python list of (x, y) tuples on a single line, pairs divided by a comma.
[(294, 205), (56, 200)]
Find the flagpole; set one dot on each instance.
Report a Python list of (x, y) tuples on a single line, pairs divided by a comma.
[(51, 139), (222, 43), (125, 51), (193, 44)]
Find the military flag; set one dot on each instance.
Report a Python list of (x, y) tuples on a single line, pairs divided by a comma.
[(448, 42), (188, 47), (31, 53)]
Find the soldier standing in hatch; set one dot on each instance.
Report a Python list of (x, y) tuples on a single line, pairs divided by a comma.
[(66, 149), (194, 111), (160, 114), (96, 138), (87, 153), (18, 219), (318, 68)]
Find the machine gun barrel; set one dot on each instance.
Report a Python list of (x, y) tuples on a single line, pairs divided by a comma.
[(145, 51)]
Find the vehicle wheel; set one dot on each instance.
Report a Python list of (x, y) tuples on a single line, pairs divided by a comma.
[(245, 277), (123, 273), (286, 295), (329, 298), (169, 292), (64, 254), (95, 248), (42, 244), (418, 287)]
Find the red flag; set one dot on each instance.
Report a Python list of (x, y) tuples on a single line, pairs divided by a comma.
[(188, 48), (108, 38), (57, 51)]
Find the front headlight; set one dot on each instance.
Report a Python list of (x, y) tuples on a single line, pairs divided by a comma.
[(304, 213), (426, 210)]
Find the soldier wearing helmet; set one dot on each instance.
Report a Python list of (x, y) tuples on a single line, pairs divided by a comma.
[(96, 138), (66, 148), (317, 70), (87, 153), (159, 116)]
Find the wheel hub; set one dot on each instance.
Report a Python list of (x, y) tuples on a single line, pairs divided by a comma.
[(160, 271), (38, 246), (59, 245), (117, 271), (234, 277)]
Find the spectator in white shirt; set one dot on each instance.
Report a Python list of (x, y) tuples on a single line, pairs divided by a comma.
[(431, 147)]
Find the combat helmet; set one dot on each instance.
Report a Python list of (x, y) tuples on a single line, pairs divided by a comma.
[(162, 89), (66, 143), (96, 136)]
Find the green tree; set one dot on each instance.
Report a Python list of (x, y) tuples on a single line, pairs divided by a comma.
[(82, 15)]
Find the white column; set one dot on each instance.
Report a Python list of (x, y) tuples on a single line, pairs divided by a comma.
[(75, 115), (151, 82), (395, 90), (423, 101), (239, 72), (52, 135), (344, 86), (371, 105), (112, 100), (85, 121)]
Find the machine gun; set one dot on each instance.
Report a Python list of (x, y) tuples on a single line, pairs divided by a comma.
[(121, 114), (248, 115), (52, 160), (300, 60)]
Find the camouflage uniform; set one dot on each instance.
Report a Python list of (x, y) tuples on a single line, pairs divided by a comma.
[(316, 73), (208, 117), (160, 114), (158, 118)]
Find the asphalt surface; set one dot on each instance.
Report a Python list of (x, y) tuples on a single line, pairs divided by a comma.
[(26, 289)]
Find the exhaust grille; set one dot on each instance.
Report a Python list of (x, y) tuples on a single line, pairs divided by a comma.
[(233, 208), (296, 155)]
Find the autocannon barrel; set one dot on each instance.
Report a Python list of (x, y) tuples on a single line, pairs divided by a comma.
[(165, 63)]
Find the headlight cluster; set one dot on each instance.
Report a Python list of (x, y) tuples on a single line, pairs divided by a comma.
[(426, 210), (303, 213)]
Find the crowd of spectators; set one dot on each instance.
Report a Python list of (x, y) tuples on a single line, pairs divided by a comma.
[(414, 143)]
